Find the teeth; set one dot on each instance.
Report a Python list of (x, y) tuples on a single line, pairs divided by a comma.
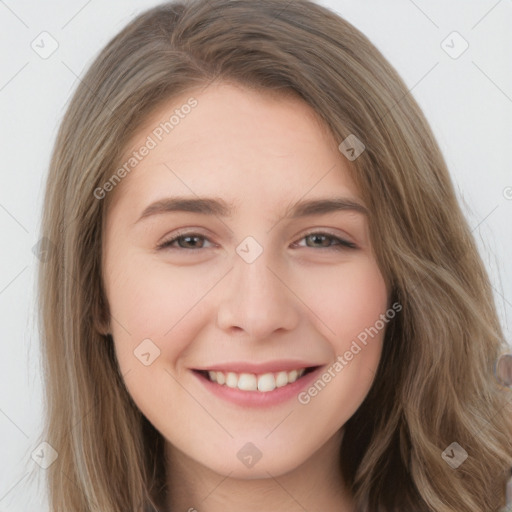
[(266, 382), (281, 379), (231, 380), (247, 382), (251, 382)]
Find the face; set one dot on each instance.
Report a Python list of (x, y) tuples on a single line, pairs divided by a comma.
[(265, 284)]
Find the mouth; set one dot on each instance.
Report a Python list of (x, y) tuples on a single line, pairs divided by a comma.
[(262, 383)]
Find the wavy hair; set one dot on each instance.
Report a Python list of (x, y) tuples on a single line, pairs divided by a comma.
[(435, 383)]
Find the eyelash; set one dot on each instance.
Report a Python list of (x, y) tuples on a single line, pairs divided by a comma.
[(339, 246)]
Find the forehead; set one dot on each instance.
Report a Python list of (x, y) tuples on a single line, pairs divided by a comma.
[(237, 143)]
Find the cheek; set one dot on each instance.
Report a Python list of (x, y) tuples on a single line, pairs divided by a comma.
[(346, 299), (352, 304), (151, 300), (151, 308)]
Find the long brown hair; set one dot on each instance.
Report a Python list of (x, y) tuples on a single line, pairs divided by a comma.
[(435, 383)]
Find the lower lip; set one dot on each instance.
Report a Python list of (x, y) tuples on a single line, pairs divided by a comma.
[(259, 398)]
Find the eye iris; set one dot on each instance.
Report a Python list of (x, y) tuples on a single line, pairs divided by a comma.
[(326, 239), (186, 238)]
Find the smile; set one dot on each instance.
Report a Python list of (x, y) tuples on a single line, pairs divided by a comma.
[(252, 382)]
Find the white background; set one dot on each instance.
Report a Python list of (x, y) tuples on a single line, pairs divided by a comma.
[(467, 100)]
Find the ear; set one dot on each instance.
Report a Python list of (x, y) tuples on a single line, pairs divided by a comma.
[(504, 369), (101, 327)]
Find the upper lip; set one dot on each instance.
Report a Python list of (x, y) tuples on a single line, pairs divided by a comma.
[(257, 368)]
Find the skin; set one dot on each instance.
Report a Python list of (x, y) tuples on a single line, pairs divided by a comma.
[(206, 304)]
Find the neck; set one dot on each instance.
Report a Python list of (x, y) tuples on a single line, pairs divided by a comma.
[(316, 484)]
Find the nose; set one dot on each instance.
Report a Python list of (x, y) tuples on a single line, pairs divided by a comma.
[(258, 299)]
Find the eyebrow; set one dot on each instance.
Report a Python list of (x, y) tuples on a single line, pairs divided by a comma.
[(220, 208)]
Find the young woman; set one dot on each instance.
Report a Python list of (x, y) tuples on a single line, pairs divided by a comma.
[(263, 294)]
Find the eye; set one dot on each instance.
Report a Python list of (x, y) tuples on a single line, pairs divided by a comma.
[(189, 239), (325, 238)]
